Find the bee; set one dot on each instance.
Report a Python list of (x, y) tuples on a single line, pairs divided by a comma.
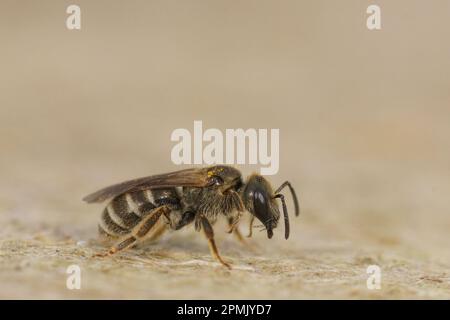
[(146, 207)]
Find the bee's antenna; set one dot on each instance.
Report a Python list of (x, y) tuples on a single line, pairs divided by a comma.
[(294, 196), (286, 216)]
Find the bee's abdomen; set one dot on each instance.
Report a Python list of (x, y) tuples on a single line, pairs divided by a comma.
[(124, 212)]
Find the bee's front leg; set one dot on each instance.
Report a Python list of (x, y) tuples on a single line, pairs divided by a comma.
[(250, 227), (233, 227)]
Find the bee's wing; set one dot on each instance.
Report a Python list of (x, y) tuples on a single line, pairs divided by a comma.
[(188, 178)]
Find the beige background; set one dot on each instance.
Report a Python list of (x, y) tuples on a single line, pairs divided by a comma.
[(364, 122)]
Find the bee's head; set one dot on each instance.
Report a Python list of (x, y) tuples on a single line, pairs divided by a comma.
[(256, 195), (260, 201)]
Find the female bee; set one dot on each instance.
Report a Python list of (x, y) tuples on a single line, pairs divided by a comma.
[(146, 206)]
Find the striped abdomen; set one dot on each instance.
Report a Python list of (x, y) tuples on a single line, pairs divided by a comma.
[(126, 210)]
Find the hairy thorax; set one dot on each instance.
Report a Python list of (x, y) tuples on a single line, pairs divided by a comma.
[(211, 202)]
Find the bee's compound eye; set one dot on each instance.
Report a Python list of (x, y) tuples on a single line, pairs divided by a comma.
[(216, 181)]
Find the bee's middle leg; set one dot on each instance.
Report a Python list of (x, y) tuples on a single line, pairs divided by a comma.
[(186, 218), (209, 233), (139, 231)]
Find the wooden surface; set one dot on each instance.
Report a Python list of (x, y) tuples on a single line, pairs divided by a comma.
[(364, 133)]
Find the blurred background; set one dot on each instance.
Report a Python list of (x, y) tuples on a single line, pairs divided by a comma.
[(364, 137)]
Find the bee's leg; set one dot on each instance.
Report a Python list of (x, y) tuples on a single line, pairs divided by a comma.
[(239, 206), (239, 236), (232, 227), (158, 232), (250, 227), (139, 231), (186, 219), (232, 222), (209, 233), (122, 245)]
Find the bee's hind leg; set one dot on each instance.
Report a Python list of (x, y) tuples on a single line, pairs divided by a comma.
[(209, 233), (158, 232), (139, 231)]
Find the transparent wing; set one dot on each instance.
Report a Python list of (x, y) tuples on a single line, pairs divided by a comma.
[(195, 177)]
